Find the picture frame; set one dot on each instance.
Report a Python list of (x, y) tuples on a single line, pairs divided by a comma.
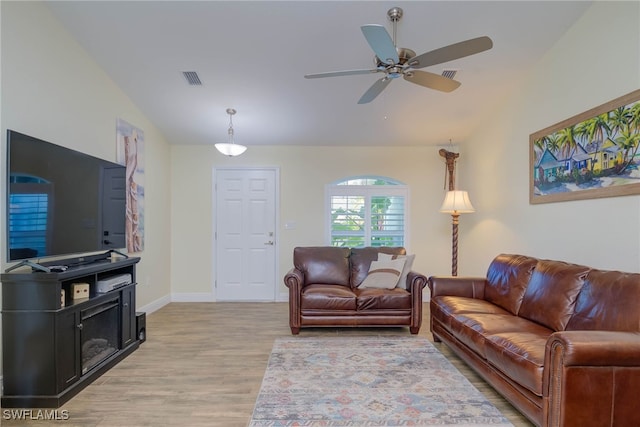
[(130, 151), (591, 155)]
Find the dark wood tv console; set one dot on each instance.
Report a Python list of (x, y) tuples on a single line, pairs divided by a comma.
[(53, 346)]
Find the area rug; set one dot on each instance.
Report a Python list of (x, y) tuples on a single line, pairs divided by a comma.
[(367, 381)]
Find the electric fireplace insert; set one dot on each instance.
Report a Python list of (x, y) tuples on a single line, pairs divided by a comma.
[(99, 333)]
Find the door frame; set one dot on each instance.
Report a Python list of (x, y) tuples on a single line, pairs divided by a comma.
[(214, 219)]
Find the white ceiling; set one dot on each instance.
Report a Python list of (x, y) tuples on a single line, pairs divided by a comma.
[(252, 56)]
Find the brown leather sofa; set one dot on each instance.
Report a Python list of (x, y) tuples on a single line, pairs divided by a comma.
[(560, 341), (323, 290)]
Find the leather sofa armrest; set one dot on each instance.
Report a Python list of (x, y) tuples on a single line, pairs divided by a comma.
[(594, 348), (591, 378), (294, 279), (470, 287), (416, 282)]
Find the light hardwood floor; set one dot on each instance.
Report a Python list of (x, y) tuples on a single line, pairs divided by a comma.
[(202, 365)]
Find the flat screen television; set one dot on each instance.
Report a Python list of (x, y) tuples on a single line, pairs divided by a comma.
[(61, 201)]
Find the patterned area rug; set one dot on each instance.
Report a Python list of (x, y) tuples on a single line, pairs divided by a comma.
[(367, 381)]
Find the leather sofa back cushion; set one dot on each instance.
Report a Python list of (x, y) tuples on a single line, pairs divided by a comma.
[(322, 264), (608, 301), (507, 280), (361, 261), (551, 295)]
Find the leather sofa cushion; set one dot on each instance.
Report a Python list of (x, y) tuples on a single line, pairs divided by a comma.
[(361, 260), (474, 329), (520, 355), (327, 297), (552, 292), (507, 280), (323, 264), (608, 301), (377, 299), (443, 307)]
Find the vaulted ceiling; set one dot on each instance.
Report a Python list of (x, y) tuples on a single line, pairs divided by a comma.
[(252, 56)]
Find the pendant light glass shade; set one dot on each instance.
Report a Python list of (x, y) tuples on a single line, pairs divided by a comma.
[(230, 148)]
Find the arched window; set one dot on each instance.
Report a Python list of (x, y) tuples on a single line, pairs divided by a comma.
[(366, 211)]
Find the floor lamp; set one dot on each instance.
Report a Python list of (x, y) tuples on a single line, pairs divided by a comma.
[(456, 202)]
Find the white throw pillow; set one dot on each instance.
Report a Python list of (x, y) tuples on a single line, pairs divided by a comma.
[(383, 274), (408, 264)]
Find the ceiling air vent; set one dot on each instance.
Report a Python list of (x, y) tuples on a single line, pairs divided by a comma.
[(450, 74), (192, 78)]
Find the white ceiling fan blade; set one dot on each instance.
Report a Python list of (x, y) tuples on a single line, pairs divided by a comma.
[(381, 43), (374, 90), (432, 81), (451, 52), (339, 73)]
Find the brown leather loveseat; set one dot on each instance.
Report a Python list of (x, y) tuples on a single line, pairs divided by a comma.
[(560, 341), (324, 290)]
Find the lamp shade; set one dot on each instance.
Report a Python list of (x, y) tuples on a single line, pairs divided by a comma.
[(230, 149), (457, 202)]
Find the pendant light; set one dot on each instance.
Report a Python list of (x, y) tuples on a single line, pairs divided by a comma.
[(230, 148)]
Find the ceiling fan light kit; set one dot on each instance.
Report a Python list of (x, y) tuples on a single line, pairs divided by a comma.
[(230, 148), (397, 62)]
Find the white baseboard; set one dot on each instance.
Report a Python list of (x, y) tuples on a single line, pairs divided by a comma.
[(192, 297), (155, 305), (209, 297)]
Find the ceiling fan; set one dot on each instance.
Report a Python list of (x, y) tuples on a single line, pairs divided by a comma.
[(397, 62)]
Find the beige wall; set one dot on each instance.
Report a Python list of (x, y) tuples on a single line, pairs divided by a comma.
[(52, 90), (595, 62), (304, 172)]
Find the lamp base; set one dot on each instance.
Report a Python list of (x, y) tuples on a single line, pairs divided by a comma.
[(454, 244)]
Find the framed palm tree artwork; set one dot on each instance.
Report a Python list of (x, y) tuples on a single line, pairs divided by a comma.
[(594, 154)]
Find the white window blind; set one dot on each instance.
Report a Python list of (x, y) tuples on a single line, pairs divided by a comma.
[(28, 218), (367, 211)]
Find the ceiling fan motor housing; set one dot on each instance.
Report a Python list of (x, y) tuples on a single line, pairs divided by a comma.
[(404, 55), (395, 70)]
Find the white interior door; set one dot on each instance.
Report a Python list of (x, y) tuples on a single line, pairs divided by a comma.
[(245, 221)]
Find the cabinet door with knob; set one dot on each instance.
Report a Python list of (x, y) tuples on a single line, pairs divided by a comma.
[(128, 310), (68, 348)]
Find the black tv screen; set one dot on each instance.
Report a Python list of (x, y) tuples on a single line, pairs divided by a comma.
[(61, 201)]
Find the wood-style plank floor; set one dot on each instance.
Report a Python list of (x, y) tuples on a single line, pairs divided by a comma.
[(202, 365)]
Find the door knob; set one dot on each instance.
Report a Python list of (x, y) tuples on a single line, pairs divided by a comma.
[(270, 242)]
